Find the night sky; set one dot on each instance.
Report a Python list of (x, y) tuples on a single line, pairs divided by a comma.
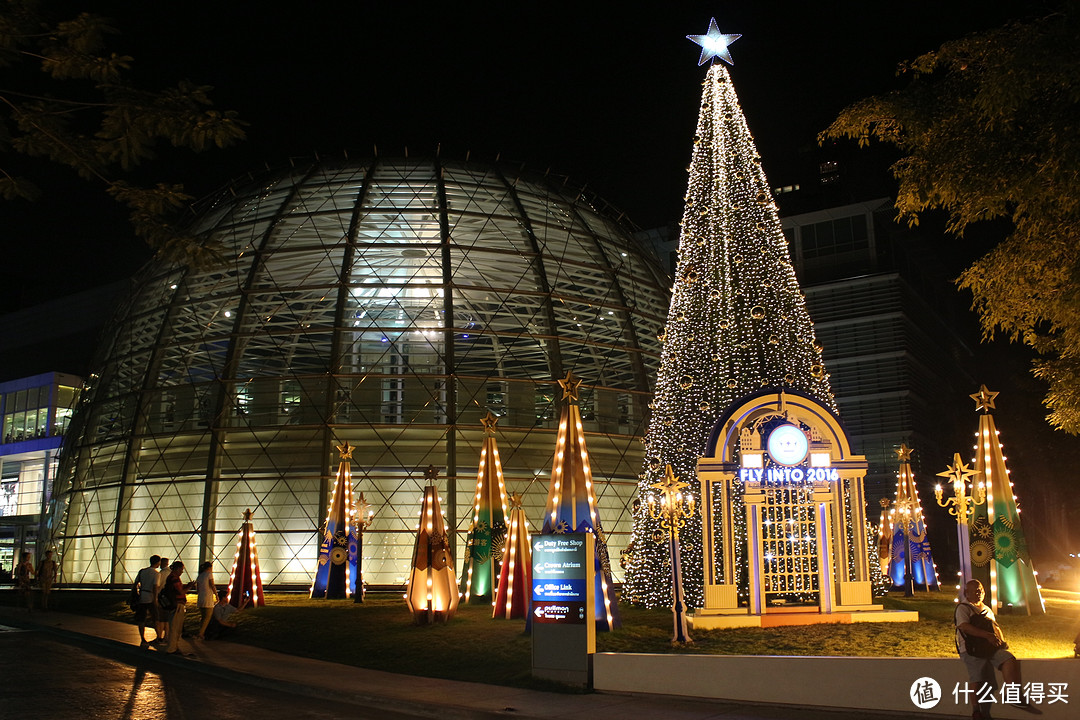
[(604, 94), (601, 92)]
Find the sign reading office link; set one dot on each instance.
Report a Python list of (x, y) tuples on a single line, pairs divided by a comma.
[(559, 578)]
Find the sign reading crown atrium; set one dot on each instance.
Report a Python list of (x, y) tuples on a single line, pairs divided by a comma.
[(783, 514)]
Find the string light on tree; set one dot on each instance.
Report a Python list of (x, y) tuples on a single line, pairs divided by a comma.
[(571, 501), (484, 543), (431, 592), (911, 560), (515, 570), (335, 575), (878, 582), (996, 525), (245, 580), (737, 321)]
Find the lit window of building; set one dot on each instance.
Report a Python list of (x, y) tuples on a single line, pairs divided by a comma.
[(36, 413)]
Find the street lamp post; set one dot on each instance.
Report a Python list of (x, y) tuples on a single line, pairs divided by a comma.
[(364, 516), (906, 514), (962, 506), (674, 509)]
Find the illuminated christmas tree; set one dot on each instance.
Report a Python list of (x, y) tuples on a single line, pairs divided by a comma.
[(484, 544), (737, 321), (884, 538), (999, 552), (879, 585), (515, 572), (906, 532), (571, 501), (431, 592), (245, 579), (335, 575)]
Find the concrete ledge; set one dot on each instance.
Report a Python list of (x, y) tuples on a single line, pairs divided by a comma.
[(774, 618), (843, 683)]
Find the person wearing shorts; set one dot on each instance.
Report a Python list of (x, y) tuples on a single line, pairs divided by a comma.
[(146, 611), (981, 669)]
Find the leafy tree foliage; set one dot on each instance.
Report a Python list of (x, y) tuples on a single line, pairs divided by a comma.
[(989, 128), (66, 99)]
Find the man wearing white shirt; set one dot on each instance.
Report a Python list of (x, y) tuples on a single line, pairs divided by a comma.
[(146, 582)]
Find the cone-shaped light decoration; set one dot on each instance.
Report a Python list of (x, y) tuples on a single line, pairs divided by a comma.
[(907, 531), (515, 573), (431, 593), (484, 545), (335, 575), (571, 501), (883, 540), (737, 323), (245, 580), (999, 553)]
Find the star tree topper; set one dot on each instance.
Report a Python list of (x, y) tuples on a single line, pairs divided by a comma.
[(903, 453), (984, 399), (571, 387), (714, 44)]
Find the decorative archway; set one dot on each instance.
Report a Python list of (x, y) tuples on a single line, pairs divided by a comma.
[(783, 502)]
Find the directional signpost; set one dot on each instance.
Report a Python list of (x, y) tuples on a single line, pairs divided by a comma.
[(563, 611)]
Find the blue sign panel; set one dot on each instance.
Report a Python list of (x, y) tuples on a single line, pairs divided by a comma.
[(559, 578), (570, 589)]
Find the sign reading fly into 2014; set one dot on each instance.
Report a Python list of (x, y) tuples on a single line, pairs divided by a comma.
[(559, 579)]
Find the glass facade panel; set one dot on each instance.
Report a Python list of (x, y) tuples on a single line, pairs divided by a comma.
[(388, 303)]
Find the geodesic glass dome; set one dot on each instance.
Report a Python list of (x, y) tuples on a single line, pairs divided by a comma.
[(389, 303)]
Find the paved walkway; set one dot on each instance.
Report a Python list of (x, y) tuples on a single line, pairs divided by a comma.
[(429, 697)]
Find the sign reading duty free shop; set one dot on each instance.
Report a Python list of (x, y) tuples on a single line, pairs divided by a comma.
[(559, 579)]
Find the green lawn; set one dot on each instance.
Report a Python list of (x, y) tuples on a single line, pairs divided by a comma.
[(379, 634)]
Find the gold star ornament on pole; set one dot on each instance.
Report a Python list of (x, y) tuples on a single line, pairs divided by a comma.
[(571, 387), (959, 474), (984, 399)]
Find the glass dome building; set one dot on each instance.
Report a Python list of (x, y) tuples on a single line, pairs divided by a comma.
[(389, 303)]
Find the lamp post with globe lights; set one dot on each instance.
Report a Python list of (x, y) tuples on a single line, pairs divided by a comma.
[(961, 506), (364, 517), (675, 507)]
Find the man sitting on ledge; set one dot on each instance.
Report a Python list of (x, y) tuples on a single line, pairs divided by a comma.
[(224, 620)]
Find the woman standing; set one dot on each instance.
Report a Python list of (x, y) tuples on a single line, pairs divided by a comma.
[(24, 575), (46, 575), (162, 617), (174, 588), (204, 583)]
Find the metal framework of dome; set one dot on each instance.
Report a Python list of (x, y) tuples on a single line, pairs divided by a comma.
[(387, 303)]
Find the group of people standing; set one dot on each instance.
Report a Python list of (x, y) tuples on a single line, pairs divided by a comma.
[(162, 601), (44, 576)]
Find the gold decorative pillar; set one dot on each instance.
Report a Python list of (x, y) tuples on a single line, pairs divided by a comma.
[(828, 583), (857, 492), (754, 499)]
